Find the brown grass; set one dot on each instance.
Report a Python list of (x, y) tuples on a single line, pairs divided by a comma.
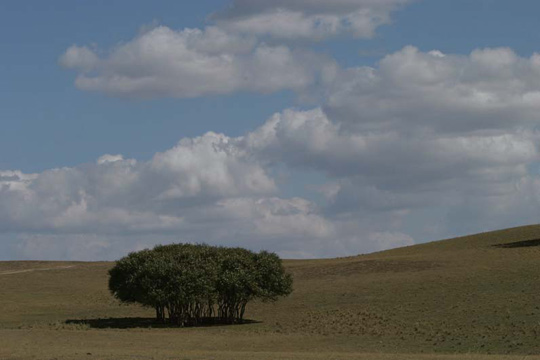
[(463, 296)]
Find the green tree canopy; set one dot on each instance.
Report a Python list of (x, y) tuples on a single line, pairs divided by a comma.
[(187, 284)]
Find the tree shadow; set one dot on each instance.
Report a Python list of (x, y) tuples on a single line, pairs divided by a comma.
[(132, 323), (519, 244)]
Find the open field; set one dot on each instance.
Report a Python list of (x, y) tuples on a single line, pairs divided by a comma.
[(463, 298)]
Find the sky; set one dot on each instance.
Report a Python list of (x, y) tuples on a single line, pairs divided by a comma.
[(304, 127)]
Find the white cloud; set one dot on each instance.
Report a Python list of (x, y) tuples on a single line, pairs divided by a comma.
[(412, 91), (79, 57), (281, 219), (309, 19), (131, 195), (107, 158), (310, 139), (440, 137), (192, 62), (76, 247), (205, 189), (423, 144)]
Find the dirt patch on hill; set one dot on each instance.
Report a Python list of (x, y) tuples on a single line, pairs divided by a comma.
[(12, 272), (519, 244)]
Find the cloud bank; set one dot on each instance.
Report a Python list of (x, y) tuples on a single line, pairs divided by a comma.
[(193, 62), (423, 146), (238, 52), (420, 146), (307, 19)]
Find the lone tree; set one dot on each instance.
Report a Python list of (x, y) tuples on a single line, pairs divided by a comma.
[(189, 284)]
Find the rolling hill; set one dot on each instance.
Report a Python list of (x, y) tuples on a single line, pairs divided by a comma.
[(471, 296)]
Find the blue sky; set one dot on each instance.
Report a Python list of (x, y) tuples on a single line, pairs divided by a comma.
[(350, 195), (44, 116), (61, 117)]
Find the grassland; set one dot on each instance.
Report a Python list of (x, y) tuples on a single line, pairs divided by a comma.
[(464, 298)]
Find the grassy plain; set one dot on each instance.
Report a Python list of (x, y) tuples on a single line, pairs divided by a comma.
[(464, 298)]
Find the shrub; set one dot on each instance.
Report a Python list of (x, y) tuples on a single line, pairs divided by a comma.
[(188, 284)]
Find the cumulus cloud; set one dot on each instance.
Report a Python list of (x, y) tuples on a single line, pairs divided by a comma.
[(307, 19), (422, 131), (237, 53), (424, 145), (107, 158), (439, 124), (133, 195), (414, 91), (205, 189), (310, 139), (192, 62), (79, 57)]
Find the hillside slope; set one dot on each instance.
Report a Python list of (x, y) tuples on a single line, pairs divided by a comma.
[(478, 294)]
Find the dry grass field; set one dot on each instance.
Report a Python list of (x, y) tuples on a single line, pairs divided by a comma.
[(475, 297)]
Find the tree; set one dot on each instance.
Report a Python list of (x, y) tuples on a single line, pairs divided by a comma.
[(188, 284)]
